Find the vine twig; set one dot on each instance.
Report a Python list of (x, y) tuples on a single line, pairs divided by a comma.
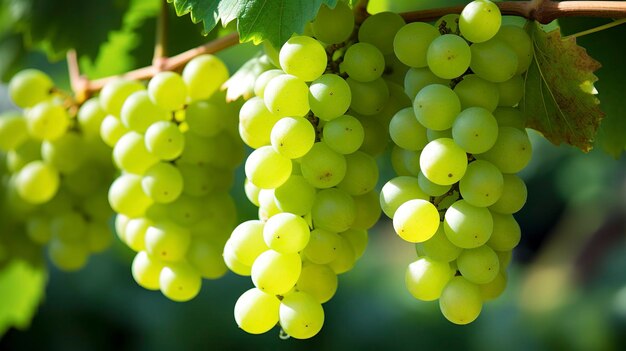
[(160, 43)]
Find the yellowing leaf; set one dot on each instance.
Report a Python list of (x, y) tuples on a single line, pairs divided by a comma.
[(559, 100)]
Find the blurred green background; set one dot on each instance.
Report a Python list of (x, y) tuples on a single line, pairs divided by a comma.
[(567, 285)]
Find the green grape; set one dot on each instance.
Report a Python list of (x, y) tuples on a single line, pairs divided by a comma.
[(303, 57), (438, 134), (131, 155), (430, 188), (329, 96), (293, 137), (38, 229), (505, 258), (467, 226), (13, 131), (99, 237), (114, 94), (203, 76), (426, 278), (397, 191), (436, 106), (233, 263), (187, 210), (164, 140), (256, 312), (511, 152), (318, 281), (37, 182), (30, 87), (267, 204), (88, 179), (416, 220), (406, 131), (162, 182), (449, 23), (494, 50), (417, 78), (511, 91), (411, 161), (252, 191), (287, 95), (460, 301), (510, 117), (276, 273), (397, 101), (90, 116), (168, 90), (494, 288), (167, 241), (482, 184), (68, 256), (448, 56), (518, 40), (479, 21), (69, 226), (475, 130), (333, 210), (367, 211), (346, 257), (65, 154), (513, 196), (256, 123), (204, 118), (375, 137), (206, 257), (397, 161), (363, 62), (266, 168), (200, 180), (333, 26), (443, 162), (380, 29), (121, 221), (479, 265), (180, 282), (286, 233), (439, 248), (295, 195), (135, 233), (358, 239), (97, 207), (261, 82), (322, 247), (322, 167), (344, 134), (361, 174), (368, 98), (146, 270), (139, 112), (474, 91), (506, 232), (111, 130), (47, 120), (411, 43), (127, 197)]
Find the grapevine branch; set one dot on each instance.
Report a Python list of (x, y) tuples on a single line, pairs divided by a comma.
[(539, 10)]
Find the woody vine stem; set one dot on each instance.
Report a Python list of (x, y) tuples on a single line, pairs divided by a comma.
[(541, 11)]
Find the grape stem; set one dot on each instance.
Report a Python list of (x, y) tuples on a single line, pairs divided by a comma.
[(160, 42), (540, 11)]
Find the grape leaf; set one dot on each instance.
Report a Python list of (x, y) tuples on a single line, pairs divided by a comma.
[(257, 20), (21, 289), (559, 98)]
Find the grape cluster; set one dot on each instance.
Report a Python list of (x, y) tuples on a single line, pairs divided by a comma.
[(316, 123), (176, 144), (457, 149), (56, 174)]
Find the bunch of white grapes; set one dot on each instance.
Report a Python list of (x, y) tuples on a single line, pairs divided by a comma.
[(56, 173), (176, 144), (316, 123), (457, 151)]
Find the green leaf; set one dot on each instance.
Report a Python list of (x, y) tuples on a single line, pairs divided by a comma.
[(21, 290), (257, 20), (559, 98)]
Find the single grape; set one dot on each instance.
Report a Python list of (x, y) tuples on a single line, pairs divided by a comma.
[(344, 134), (180, 281), (380, 29), (448, 56), (286, 233), (303, 57), (329, 96), (363, 62), (293, 137), (333, 26), (480, 20), (30, 87), (416, 220), (460, 301), (256, 312), (203, 76), (322, 167), (479, 265), (411, 43), (37, 182), (276, 273), (486, 53), (287, 95), (443, 162), (301, 315), (467, 226), (475, 130), (436, 106), (168, 91), (397, 191), (426, 278)]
